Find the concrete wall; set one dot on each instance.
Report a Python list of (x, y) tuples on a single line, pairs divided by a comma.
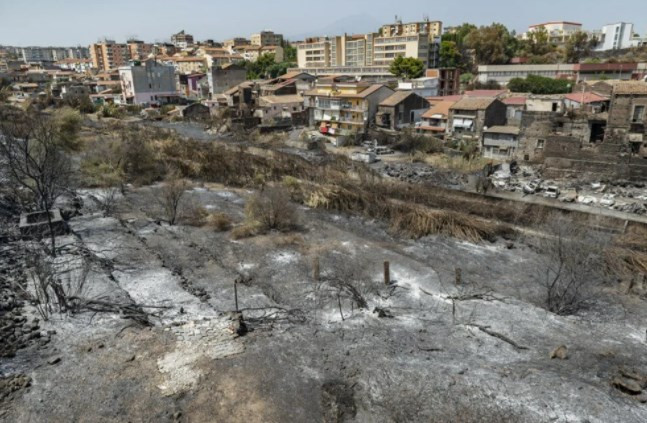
[(220, 80)]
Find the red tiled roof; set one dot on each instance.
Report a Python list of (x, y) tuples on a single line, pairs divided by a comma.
[(585, 98)]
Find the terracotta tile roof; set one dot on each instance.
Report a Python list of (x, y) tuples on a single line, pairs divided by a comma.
[(396, 98), (441, 108), (473, 103), (585, 98)]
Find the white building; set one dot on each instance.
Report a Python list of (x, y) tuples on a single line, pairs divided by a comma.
[(558, 32), (617, 36), (148, 83), (424, 87)]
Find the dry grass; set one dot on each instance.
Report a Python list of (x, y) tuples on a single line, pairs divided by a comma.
[(272, 209), (417, 222), (246, 230), (288, 240), (219, 222)]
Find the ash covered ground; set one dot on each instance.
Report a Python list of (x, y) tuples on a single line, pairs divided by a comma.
[(421, 348)]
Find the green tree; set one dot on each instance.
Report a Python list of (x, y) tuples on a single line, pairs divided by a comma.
[(458, 34), (450, 55), (289, 53), (539, 85), (491, 44), (578, 46), (407, 67), (537, 43), (259, 69)]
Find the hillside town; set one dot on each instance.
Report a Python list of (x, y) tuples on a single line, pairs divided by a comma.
[(429, 222)]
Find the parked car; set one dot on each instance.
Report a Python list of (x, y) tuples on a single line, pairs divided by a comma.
[(532, 186), (551, 191)]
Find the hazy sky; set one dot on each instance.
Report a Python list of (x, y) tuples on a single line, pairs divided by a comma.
[(72, 22)]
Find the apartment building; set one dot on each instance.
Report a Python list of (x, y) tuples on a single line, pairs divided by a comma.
[(266, 38), (386, 49), (558, 32), (182, 39), (432, 29), (344, 108), (352, 50), (617, 36), (148, 82), (108, 55), (186, 65), (139, 50), (251, 53), (314, 52), (52, 54), (235, 42)]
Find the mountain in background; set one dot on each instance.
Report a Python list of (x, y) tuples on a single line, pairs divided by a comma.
[(354, 24)]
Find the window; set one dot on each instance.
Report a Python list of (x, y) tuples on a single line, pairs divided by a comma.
[(639, 114), (540, 143)]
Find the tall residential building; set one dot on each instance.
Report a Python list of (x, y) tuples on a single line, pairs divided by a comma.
[(266, 38), (364, 54), (36, 54), (148, 82), (386, 49), (182, 39), (352, 50), (314, 52), (107, 55), (139, 50), (432, 29)]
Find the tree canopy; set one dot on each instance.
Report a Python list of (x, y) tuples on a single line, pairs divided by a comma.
[(407, 67), (266, 67), (539, 85), (492, 44)]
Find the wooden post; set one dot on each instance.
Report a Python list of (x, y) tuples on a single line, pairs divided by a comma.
[(236, 294), (315, 269), (459, 279), (387, 273)]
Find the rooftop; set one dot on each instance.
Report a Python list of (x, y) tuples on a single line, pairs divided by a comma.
[(280, 99), (441, 108), (585, 98), (630, 87), (396, 98), (473, 103), (512, 130), (485, 93)]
